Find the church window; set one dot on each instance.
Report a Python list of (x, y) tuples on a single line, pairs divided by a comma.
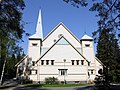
[(47, 62), (88, 63), (34, 44), (33, 63), (60, 35), (34, 71), (77, 62), (52, 62), (62, 72), (72, 62), (82, 62), (42, 62), (87, 45), (91, 71)]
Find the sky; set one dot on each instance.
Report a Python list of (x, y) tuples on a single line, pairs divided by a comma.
[(77, 20)]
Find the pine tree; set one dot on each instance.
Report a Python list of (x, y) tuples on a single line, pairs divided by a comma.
[(108, 50)]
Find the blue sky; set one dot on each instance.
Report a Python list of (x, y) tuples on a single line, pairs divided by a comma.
[(77, 20)]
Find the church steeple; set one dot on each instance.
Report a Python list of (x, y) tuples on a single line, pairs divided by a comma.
[(39, 33)]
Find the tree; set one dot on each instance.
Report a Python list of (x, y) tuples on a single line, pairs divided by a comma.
[(106, 36), (108, 50), (11, 29)]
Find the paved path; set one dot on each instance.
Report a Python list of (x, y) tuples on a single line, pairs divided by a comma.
[(57, 88)]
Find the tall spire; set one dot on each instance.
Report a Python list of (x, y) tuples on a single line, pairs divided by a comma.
[(39, 25), (39, 33)]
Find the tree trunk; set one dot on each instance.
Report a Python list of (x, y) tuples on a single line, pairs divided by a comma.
[(3, 70)]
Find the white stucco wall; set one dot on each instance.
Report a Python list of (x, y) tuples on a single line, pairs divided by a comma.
[(34, 51), (59, 53), (88, 52), (49, 41)]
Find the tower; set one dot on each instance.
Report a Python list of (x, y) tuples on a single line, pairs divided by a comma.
[(88, 48), (35, 41), (88, 52)]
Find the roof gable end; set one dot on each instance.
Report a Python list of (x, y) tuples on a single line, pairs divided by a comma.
[(62, 40)]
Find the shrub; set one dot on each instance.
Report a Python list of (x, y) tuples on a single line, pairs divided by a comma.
[(22, 80), (51, 80)]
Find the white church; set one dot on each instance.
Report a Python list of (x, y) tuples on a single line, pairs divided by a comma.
[(61, 55)]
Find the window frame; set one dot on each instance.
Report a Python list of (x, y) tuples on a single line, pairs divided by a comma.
[(52, 62), (47, 62), (77, 62), (34, 44), (62, 72), (82, 62), (73, 62), (33, 63), (42, 62)]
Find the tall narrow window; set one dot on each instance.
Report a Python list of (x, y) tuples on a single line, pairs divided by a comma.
[(33, 63), (36, 71), (91, 71), (82, 62), (77, 62), (72, 62), (47, 62), (52, 62), (62, 72), (88, 63), (42, 62)]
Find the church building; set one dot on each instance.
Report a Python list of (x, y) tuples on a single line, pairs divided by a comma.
[(61, 55)]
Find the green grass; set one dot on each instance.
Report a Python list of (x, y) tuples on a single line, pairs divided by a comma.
[(54, 85)]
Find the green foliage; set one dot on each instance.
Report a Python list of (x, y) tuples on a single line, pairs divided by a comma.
[(11, 31), (76, 3), (51, 80), (108, 50), (10, 69), (24, 81)]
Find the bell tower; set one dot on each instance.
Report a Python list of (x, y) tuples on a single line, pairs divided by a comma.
[(35, 41), (88, 48)]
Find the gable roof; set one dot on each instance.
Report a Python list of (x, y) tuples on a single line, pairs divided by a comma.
[(21, 60), (99, 61), (56, 43), (65, 28), (86, 37)]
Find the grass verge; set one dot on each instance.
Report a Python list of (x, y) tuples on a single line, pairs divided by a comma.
[(54, 85)]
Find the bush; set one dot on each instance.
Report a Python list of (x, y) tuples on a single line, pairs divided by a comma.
[(22, 80), (51, 80)]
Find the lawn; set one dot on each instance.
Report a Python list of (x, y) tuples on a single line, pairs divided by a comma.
[(54, 85)]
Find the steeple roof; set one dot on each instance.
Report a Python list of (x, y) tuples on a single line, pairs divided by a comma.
[(39, 33), (86, 37)]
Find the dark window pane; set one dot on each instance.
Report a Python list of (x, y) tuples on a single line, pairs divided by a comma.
[(42, 62), (82, 62), (34, 44), (72, 62), (77, 62), (52, 62), (33, 63), (47, 62)]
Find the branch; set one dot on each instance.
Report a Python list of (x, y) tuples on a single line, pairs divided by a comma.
[(111, 6)]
